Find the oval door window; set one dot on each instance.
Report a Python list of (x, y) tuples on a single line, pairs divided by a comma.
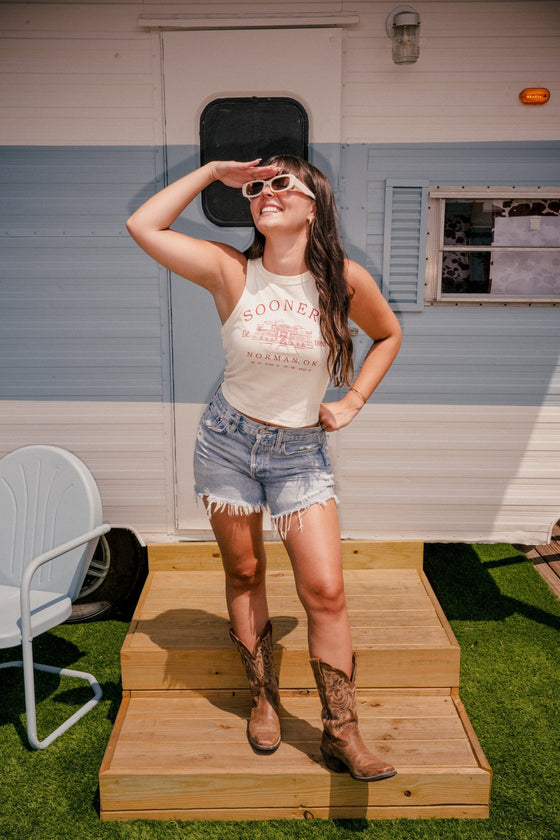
[(245, 128)]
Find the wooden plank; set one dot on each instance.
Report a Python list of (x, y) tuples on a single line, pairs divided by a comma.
[(208, 735), (476, 812), (188, 556), (161, 603), (404, 702), (411, 787), (115, 733), (389, 668), (471, 735), (143, 789), (373, 705), (550, 550), (214, 758), (546, 560), (212, 635), (549, 576), (373, 590), (204, 584), (284, 624), (439, 611)]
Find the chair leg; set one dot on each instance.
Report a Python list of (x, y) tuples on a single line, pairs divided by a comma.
[(29, 685)]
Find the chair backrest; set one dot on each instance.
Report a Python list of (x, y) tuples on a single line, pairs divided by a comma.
[(47, 498)]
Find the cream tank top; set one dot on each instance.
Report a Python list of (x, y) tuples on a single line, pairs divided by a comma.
[(276, 358)]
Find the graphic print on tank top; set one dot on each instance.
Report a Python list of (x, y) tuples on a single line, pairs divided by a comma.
[(276, 355), (283, 342)]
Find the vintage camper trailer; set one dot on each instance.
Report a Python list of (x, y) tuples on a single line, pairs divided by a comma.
[(448, 188)]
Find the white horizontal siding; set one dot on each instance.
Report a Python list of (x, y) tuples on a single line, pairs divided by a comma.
[(475, 58), (441, 473), (450, 473), (121, 442), (77, 74), (87, 73)]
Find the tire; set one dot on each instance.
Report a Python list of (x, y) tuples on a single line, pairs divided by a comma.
[(114, 579)]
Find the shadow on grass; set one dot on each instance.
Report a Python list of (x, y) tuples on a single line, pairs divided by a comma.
[(49, 649), (467, 591)]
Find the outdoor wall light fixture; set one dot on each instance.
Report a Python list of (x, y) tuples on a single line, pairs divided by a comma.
[(403, 28)]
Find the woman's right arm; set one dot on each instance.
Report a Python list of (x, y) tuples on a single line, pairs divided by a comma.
[(202, 262)]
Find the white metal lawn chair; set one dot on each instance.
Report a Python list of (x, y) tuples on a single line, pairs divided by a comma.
[(50, 521)]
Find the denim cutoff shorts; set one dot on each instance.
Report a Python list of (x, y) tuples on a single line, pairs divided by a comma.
[(242, 466)]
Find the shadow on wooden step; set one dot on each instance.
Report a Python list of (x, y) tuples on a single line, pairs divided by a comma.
[(191, 649)]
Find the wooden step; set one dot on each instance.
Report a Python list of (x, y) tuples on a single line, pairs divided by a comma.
[(184, 755), (179, 636), (361, 554)]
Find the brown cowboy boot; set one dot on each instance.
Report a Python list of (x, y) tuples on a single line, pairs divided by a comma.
[(263, 728), (341, 744)]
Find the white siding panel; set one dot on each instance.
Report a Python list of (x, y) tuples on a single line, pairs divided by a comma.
[(72, 87), (70, 57), (125, 445), (453, 473), (76, 17), (475, 58)]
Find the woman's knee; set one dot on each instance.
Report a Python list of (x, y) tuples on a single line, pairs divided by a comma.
[(244, 575), (325, 597)]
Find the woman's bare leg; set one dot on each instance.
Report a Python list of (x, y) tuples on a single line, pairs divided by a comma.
[(317, 560), (241, 544), (316, 556)]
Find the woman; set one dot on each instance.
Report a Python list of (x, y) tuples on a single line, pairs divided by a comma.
[(284, 308)]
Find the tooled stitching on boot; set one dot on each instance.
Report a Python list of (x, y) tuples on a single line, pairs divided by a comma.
[(259, 665), (341, 737), (270, 674), (338, 696)]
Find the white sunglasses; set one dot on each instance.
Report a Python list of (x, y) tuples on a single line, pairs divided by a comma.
[(280, 183)]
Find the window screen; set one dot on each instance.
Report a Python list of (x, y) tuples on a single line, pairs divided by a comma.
[(501, 247), (245, 128)]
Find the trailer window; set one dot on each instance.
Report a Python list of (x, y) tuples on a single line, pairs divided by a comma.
[(493, 246), (245, 128)]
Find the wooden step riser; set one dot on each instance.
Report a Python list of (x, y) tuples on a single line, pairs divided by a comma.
[(356, 554), (222, 670), (295, 792)]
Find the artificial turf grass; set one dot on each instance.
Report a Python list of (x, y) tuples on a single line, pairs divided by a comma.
[(507, 622)]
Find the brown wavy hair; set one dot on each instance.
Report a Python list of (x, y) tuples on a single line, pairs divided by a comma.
[(324, 258)]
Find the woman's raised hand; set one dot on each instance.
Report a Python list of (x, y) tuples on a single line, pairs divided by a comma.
[(233, 173), (200, 261)]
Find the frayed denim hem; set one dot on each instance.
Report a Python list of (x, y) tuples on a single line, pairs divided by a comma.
[(214, 504), (282, 523)]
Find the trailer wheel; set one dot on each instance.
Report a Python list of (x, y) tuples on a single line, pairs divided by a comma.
[(114, 579)]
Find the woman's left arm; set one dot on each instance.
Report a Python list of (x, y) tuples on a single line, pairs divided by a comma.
[(371, 312)]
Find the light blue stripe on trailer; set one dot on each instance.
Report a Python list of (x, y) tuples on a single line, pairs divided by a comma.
[(84, 313)]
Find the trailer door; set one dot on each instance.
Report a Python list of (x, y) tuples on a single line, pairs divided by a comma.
[(199, 67)]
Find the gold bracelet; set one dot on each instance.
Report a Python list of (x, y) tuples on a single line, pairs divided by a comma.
[(359, 393)]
